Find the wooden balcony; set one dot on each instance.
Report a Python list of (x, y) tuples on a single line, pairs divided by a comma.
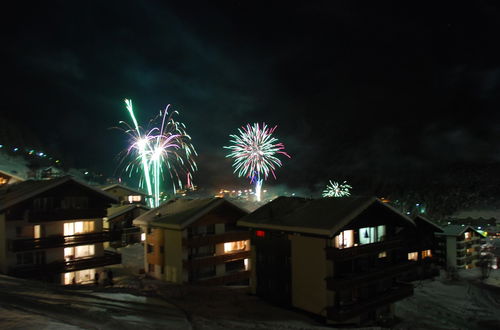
[(229, 278), (363, 250), (109, 258), (343, 313), (63, 214), (367, 276), (216, 239), (215, 260), (26, 244)]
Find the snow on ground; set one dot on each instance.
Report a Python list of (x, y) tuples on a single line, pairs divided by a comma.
[(442, 304), (136, 301)]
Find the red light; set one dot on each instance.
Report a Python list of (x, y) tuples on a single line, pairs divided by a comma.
[(260, 233)]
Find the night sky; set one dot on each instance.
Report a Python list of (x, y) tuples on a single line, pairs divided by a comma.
[(368, 92)]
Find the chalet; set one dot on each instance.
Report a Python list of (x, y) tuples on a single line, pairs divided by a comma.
[(425, 245), (337, 258), (458, 246), (120, 218), (196, 241), (125, 195), (52, 230)]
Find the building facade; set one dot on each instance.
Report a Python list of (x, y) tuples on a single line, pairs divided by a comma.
[(196, 241), (52, 230), (338, 258), (459, 247)]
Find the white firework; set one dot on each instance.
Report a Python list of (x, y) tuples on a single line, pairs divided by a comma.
[(334, 189)]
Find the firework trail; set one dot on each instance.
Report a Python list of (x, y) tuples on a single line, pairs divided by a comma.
[(165, 147), (254, 152), (334, 189)]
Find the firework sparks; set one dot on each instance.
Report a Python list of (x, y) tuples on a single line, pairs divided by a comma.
[(254, 151), (334, 189), (167, 146)]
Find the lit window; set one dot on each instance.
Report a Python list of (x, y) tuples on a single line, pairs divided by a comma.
[(247, 264), (78, 227), (84, 251), (426, 254), (382, 254), (134, 198), (413, 256), (235, 246), (345, 239), (143, 237), (369, 235), (468, 235)]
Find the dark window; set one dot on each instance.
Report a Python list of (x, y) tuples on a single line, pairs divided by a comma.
[(235, 266), (150, 230), (40, 257), (202, 272), (28, 258), (202, 251), (73, 202), (19, 258), (150, 248), (162, 249)]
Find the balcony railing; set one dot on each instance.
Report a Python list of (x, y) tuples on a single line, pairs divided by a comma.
[(216, 260), (63, 214), (369, 275), (217, 238), (344, 313), (230, 278), (109, 258), (26, 244), (363, 250)]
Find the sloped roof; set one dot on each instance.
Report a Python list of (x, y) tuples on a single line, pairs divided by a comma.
[(324, 216), (13, 194), (117, 185), (114, 212), (178, 213), (11, 175), (425, 220), (456, 230)]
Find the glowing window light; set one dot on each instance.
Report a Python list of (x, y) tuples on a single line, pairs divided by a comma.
[(234, 246)]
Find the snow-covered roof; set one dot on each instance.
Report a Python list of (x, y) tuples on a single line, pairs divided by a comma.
[(13, 194), (419, 218), (324, 216), (179, 213), (124, 187), (9, 174), (456, 230), (116, 211)]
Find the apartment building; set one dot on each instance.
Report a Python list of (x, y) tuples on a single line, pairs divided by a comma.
[(458, 246), (52, 230), (196, 241), (338, 258)]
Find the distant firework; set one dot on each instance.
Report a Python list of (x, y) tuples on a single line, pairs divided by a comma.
[(334, 189), (166, 146), (254, 151)]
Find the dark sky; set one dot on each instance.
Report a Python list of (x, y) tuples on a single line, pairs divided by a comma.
[(363, 91)]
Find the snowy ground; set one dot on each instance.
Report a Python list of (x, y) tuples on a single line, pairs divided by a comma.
[(136, 301), (464, 304)]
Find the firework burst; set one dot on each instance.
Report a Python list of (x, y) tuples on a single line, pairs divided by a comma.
[(154, 150), (334, 189), (254, 151)]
